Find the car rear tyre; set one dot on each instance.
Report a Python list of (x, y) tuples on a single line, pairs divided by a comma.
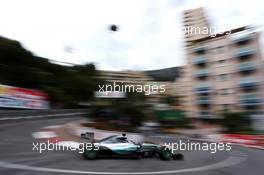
[(165, 153)]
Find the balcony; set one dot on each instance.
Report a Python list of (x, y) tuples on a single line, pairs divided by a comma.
[(202, 73), (203, 101), (205, 115), (248, 83), (200, 60), (199, 49), (245, 52), (247, 66), (250, 100), (203, 89), (243, 39)]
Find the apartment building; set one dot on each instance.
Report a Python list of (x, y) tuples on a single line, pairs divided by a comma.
[(195, 22), (225, 72), (181, 89)]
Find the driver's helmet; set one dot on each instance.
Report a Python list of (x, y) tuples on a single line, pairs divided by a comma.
[(123, 139)]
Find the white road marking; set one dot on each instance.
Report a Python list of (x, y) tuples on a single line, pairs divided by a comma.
[(52, 126), (232, 160), (44, 134)]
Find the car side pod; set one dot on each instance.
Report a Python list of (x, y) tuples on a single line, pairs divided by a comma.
[(178, 156)]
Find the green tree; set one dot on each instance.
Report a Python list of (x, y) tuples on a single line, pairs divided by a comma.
[(66, 85), (236, 122)]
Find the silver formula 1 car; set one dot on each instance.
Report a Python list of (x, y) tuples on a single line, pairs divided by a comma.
[(120, 146)]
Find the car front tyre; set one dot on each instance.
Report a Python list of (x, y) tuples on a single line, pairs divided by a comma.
[(90, 154), (178, 156)]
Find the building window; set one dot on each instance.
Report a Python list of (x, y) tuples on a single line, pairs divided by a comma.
[(223, 77), (220, 63), (225, 107), (224, 91), (219, 49)]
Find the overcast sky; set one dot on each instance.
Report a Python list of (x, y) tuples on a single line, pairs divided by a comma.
[(150, 34)]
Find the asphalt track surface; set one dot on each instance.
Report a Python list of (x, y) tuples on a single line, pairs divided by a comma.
[(18, 158)]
